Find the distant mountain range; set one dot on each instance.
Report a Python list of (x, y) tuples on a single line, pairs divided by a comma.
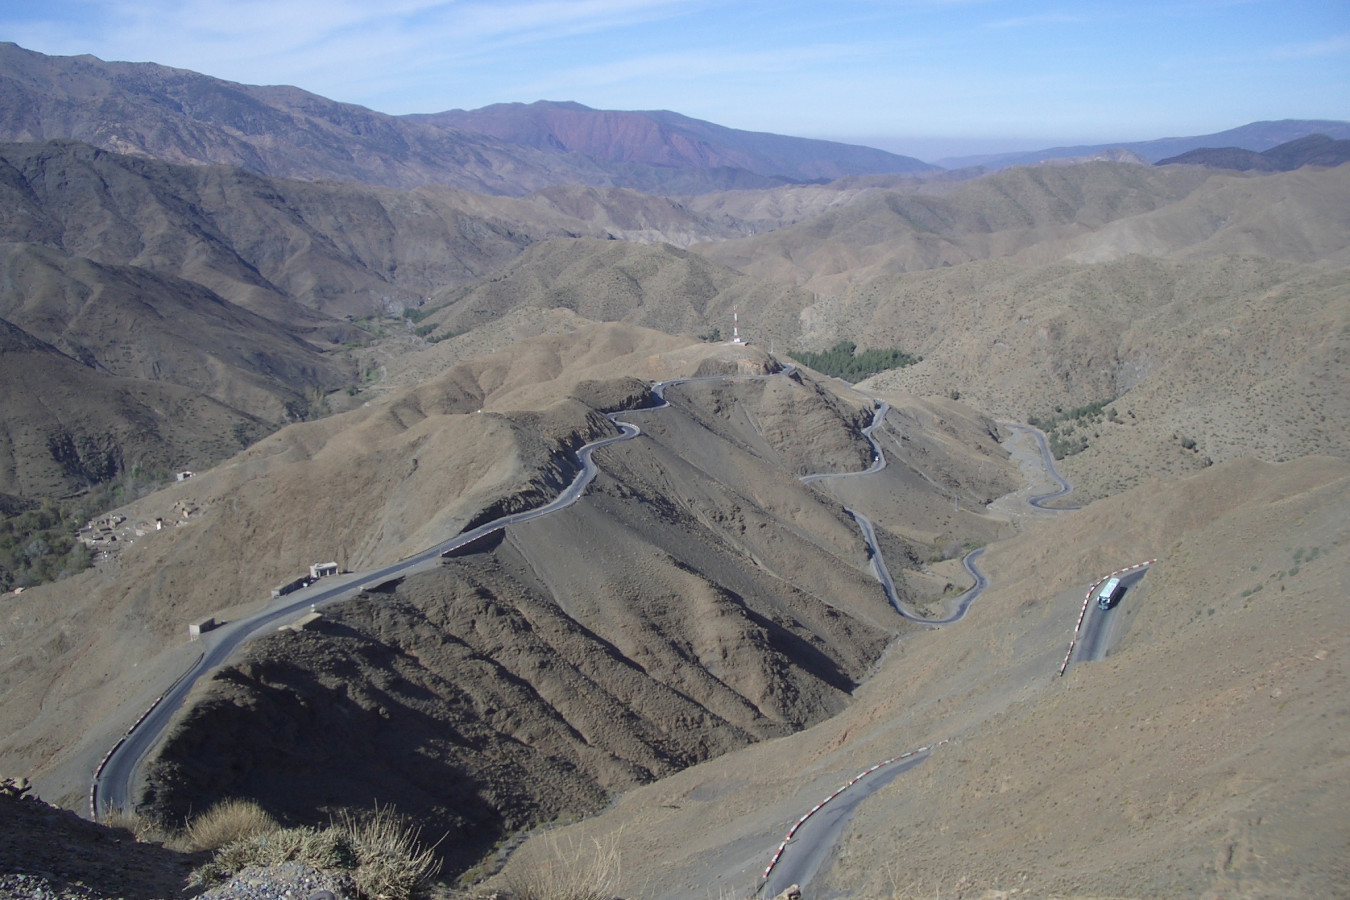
[(508, 149), (172, 252), (181, 116), (1257, 136), (1313, 150)]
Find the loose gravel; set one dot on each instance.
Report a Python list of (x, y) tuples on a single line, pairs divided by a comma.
[(288, 881)]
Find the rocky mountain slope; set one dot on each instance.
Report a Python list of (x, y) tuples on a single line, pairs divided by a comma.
[(231, 288), (1213, 309), (68, 426), (700, 598), (701, 604), (652, 285)]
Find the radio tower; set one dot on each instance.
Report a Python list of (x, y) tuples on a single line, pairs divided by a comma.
[(735, 327)]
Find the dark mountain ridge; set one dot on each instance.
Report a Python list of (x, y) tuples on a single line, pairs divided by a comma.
[(1313, 150), (1256, 136), (665, 138)]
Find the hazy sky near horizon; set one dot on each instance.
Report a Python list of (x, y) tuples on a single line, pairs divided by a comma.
[(923, 77)]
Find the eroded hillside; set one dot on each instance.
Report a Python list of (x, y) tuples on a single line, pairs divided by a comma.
[(699, 598), (699, 579), (1203, 757)]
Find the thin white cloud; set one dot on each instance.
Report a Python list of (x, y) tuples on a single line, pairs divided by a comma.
[(716, 64), (1042, 19), (269, 30), (787, 65), (1332, 46), (552, 18)]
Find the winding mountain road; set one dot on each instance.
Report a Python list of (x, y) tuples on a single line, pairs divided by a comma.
[(813, 837), (813, 840), (115, 780), (1048, 458)]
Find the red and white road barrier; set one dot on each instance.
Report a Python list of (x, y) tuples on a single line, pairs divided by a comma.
[(821, 805), (1087, 601), (98, 772)]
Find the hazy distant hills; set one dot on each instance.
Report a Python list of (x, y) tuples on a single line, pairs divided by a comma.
[(1256, 136), (668, 139), (182, 116), (510, 148), (237, 287), (1313, 150)]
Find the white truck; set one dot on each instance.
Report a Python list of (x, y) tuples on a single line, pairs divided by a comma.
[(1110, 593)]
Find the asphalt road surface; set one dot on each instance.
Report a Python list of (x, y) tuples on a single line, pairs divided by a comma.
[(878, 458), (816, 838), (1064, 488), (1101, 628)]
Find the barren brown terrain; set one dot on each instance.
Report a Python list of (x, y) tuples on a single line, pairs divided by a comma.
[(692, 656)]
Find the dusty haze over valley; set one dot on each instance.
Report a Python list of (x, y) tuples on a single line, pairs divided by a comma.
[(247, 330)]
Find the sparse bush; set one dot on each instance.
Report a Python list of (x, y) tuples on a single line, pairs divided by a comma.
[(38, 541), (381, 850), (573, 872), (228, 822), (1059, 428)]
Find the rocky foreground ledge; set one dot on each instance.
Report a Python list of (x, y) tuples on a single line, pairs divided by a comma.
[(49, 853)]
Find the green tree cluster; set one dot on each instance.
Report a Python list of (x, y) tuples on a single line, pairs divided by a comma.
[(39, 544), (844, 361), (1066, 431)]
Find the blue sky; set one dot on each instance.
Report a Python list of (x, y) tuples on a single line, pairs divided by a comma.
[(924, 77)]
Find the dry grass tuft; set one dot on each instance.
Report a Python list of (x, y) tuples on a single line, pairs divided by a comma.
[(391, 861), (319, 849), (142, 828), (574, 872), (382, 851), (228, 822)]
